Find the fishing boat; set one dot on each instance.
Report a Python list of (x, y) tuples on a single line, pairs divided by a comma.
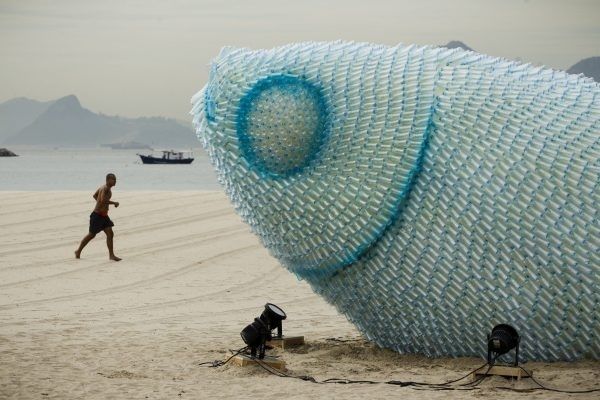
[(168, 157)]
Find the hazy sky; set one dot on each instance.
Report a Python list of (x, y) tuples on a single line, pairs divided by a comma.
[(148, 57)]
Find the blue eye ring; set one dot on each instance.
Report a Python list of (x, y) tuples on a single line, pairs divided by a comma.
[(316, 138)]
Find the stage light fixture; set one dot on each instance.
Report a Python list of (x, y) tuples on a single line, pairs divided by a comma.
[(258, 332), (273, 315), (255, 336), (502, 340)]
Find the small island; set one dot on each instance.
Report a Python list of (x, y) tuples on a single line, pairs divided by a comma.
[(7, 153)]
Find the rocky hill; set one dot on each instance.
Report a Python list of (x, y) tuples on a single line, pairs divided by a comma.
[(17, 113), (453, 44), (64, 122), (589, 67)]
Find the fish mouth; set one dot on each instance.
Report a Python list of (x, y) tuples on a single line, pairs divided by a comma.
[(371, 230), (319, 197)]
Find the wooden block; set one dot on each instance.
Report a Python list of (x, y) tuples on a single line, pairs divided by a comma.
[(501, 370), (286, 341), (244, 360)]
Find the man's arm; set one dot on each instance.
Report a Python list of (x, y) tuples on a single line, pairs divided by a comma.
[(95, 195)]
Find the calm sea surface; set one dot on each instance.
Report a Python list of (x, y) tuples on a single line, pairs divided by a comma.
[(85, 169)]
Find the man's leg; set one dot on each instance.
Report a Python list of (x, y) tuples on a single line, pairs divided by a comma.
[(109, 243), (84, 241)]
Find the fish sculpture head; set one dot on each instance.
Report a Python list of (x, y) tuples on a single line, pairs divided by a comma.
[(317, 159), (427, 193)]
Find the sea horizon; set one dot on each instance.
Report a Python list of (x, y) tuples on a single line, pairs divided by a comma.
[(60, 168)]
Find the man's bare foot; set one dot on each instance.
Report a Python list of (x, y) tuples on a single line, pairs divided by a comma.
[(114, 258), (77, 254)]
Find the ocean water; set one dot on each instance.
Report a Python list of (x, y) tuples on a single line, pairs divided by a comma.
[(86, 169)]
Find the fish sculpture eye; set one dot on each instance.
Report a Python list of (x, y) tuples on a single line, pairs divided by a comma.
[(281, 125)]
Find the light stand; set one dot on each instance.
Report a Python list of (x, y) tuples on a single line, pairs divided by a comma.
[(501, 340), (255, 336)]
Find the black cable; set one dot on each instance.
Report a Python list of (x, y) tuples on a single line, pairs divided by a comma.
[(219, 363), (308, 378), (345, 381), (421, 385), (542, 387), (332, 339), (463, 377), (477, 381), (447, 385), (282, 374), (406, 383), (413, 384)]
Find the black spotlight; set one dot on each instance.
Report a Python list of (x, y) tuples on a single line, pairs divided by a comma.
[(273, 315), (258, 332), (502, 340), (255, 336)]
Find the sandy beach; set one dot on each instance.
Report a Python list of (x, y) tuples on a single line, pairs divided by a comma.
[(191, 278)]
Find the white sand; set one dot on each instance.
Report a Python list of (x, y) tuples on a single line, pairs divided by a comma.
[(191, 278)]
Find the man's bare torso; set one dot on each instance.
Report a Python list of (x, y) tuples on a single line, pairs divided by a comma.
[(102, 196)]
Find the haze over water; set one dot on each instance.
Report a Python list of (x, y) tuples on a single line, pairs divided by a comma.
[(85, 169)]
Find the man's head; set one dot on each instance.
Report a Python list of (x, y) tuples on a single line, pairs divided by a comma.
[(111, 180)]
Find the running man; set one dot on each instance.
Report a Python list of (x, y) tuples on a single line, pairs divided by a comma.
[(99, 220)]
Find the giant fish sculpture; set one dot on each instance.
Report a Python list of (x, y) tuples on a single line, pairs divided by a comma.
[(428, 193)]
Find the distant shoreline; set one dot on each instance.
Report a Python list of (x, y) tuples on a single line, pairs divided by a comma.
[(48, 169)]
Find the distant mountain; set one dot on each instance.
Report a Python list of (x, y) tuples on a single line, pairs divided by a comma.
[(453, 44), (589, 67), (17, 113), (66, 123)]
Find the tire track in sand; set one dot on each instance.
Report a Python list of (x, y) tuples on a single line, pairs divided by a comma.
[(115, 289), (227, 233), (79, 213), (83, 202), (62, 242), (54, 321)]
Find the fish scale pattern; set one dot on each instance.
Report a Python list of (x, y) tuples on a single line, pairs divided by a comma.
[(434, 193)]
